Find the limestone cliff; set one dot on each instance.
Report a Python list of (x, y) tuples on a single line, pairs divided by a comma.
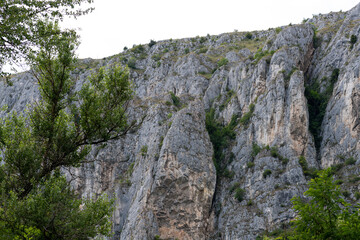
[(162, 174)]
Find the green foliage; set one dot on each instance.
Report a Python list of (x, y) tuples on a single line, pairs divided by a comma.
[(138, 49), (245, 119), (274, 152), (58, 132), (156, 57), (346, 194), (256, 149), (144, 150), (267, 173), (336, 167), (222, 62), (239, 194), (187, 50), (228, 174), (25, 24), (278, 30), (248, 35), (175, 100), (306, 170), (250, 164), (350, 161), (260, 54), (357, 195), (229, 95), (234, 186), (132, 63), (203, 39), (353, 40), (325, 214), (54, 211), (316, 40), (317, 103), (151, 43), (203, 50), (353, 179), (219, 137)]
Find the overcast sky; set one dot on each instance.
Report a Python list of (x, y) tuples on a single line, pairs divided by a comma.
[(116, 23)]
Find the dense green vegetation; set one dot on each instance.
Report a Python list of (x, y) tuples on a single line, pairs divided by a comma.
[(24, 24), (353, 40), (245, 119), (57, 131), (308, 172), (222, 62), (322, 214), (317, 102), (175, 100), (219, 136)]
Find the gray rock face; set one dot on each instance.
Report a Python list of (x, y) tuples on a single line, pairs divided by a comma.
[(162, 174)]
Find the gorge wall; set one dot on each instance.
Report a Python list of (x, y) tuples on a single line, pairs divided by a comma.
[(290, 96)]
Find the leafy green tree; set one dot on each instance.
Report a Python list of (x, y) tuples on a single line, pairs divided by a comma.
[(58, 131), (325, 215), (23, 24)]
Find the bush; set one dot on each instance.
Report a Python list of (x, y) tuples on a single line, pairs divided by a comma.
[(250, 164), (350, 161), (357, 195), (152, 43), (202, 40), (353, 40), (346, 194), (222, 62), (186, 50), (260, 54), (175, 99), (339, 182), (228, 174), (245, 119), (144, 150), (156, 57), (317, 103), (219, 137), (248, 35), (239, 194), (132, 63), (203, 50), (256, 149), (325, 214), (266, 173), (138, 49), (233, 187)]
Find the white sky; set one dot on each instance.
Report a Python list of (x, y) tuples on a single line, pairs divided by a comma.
[(117, 23)]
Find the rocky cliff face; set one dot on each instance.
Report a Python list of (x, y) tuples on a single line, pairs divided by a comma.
[(294, 96)]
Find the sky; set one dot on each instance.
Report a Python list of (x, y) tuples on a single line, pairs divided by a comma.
[(115, 24)]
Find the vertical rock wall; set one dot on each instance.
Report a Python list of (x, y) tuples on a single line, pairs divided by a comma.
[(162, 173)]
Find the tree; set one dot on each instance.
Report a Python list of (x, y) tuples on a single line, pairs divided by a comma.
[(58, 131), (325, 215), (22, 24)]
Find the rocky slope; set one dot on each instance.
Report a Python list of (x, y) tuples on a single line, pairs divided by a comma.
[(290, 97)]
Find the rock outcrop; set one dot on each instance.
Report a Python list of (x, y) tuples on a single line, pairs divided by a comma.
[(162, 174)]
